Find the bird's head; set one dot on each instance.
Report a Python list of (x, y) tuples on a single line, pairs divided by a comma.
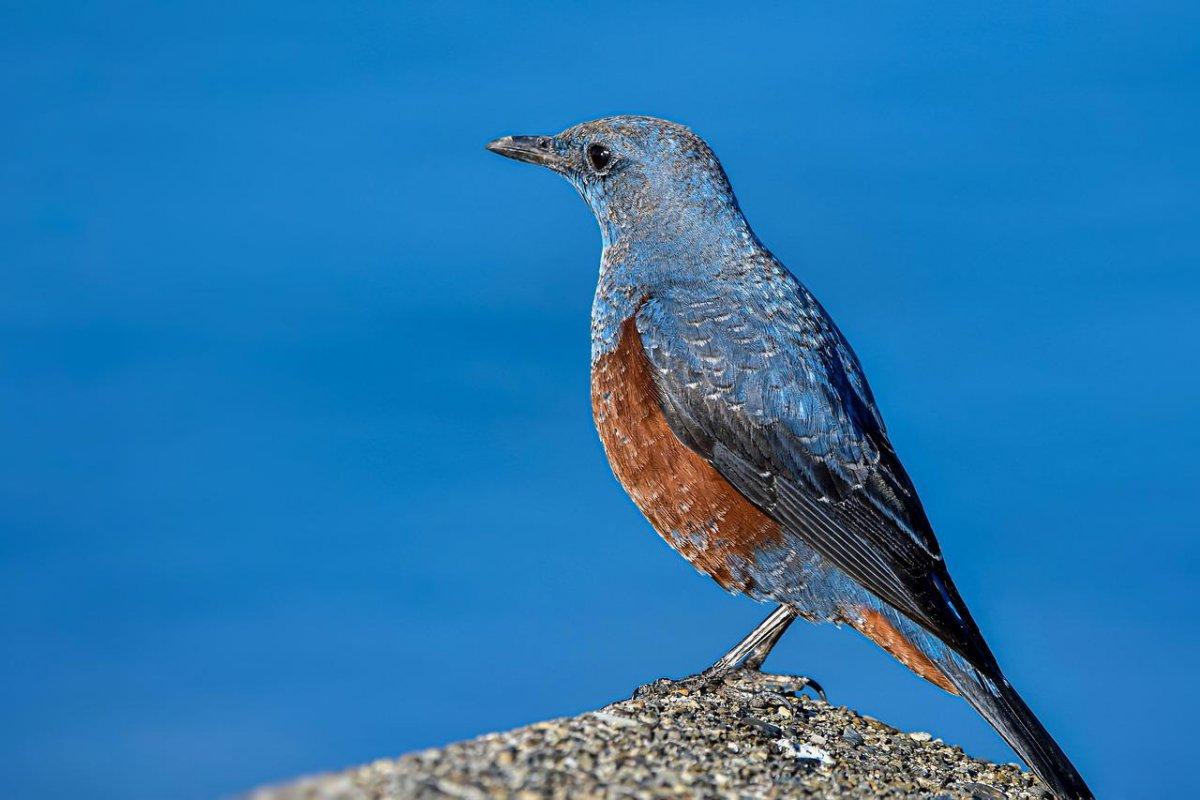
[(645, 179)]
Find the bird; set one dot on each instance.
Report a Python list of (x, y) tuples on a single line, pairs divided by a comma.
[(739, 420)]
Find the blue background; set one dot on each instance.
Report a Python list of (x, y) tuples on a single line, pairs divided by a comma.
[(298, 468)]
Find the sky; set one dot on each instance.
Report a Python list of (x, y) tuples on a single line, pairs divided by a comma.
[(298, 465)]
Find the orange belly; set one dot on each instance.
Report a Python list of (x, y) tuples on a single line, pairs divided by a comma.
[(687, 501)]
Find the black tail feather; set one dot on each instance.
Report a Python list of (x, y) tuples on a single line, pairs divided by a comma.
[(1001, 706)]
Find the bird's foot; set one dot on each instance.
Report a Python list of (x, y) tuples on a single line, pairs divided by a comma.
[(692, 684), (720, 675)]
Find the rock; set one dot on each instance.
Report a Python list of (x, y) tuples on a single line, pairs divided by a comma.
[(982, 791), (684, 739), (766, 728), (804, 752)]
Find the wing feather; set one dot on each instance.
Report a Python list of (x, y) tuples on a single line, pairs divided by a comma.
[(766, 388)]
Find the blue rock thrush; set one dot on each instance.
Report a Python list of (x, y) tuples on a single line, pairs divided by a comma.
[(738, 419)]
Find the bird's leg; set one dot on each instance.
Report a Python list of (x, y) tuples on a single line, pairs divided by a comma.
[(757, 656), (749, 654), (753, 650)]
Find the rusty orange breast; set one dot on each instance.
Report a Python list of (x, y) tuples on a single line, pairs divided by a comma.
[(686, 500)]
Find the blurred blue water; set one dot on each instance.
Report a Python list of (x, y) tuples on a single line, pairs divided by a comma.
[(298, 467)]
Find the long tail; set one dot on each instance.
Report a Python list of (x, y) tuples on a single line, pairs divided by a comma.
[(1001, 706), (982, 685)]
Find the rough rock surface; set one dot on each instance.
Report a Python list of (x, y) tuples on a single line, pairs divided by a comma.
[(749, 736)]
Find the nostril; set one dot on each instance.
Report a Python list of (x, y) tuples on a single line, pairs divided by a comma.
[(543, 142)]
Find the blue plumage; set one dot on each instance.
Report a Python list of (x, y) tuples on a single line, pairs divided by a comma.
[(740, 421)]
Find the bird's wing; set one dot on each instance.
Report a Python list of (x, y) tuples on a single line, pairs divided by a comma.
[(766, 389)]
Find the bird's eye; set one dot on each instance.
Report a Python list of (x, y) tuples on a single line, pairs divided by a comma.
[(599, 156)]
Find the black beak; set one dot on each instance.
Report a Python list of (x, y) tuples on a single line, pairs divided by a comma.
[(531, 149)]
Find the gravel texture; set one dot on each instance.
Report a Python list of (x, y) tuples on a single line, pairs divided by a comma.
[(748, 736)]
